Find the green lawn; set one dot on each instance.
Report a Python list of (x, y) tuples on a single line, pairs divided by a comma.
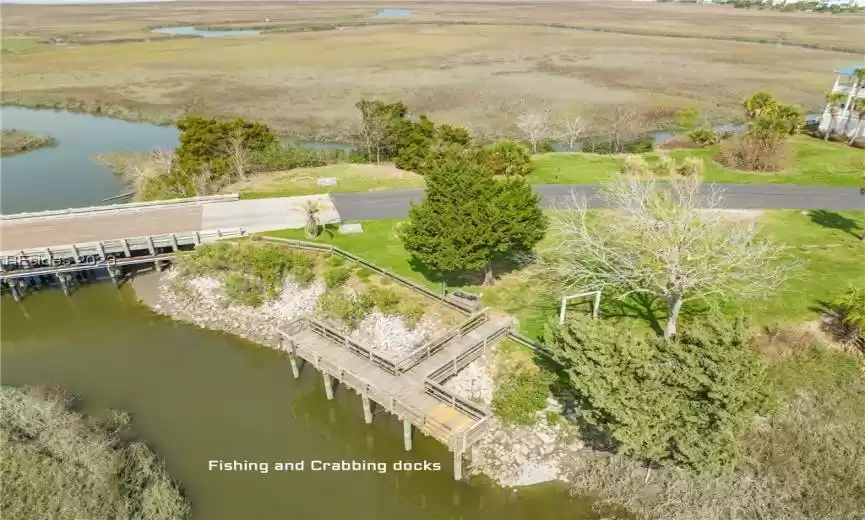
[(349, 178), (825, 243), (813, 162)]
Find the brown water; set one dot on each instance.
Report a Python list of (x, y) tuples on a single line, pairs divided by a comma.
[(197, 395)]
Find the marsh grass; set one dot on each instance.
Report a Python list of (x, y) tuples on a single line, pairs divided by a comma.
[(16, 141), (58, 465), (480, 76)]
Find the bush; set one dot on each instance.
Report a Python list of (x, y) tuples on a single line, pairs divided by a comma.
[(752, 153), (386, 299), (350, 310), (521, 394), (686, 401), (507, 159), (642, 145), (242, 289), (286, 157), (636, 165), (412, 313), (363, 273), (704, 136), (691, 167), (666, 165), (336, 276)]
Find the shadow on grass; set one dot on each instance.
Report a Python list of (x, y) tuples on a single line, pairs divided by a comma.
[(463, 278), (832, 220), (835, 322)]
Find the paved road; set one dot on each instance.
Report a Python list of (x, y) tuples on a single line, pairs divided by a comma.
[(251, 215), (395, 204)]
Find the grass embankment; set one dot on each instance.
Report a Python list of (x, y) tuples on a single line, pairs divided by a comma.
[(825, 243), (812, 162), (60, 465), (304, 181), (14, 142)]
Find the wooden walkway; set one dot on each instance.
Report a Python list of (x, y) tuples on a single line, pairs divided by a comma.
[(411, 395)]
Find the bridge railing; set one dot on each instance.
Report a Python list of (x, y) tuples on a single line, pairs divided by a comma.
[(468, 354), (191, 201), (123, 246)]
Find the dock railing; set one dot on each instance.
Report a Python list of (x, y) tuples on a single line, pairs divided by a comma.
[(436, 344)]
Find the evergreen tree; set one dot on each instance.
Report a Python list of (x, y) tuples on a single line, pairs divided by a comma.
[(686, 401), (468, 217)]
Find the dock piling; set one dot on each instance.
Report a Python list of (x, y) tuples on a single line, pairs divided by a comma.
[(295, 369), (328, 385), (64, 283), (367, 408), (406, 434)]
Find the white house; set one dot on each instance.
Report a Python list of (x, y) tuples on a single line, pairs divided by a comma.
[(847, 118)]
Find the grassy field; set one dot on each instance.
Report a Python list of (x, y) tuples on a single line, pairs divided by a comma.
[(304, 181), (825, 243), (480, 76), (813, 162)]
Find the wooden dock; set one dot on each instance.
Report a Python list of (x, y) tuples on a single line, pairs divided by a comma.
[(412, 395)]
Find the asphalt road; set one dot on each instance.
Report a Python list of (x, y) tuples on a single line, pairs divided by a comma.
[(395, 204)]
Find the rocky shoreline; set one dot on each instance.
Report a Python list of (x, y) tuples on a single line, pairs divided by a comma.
[(509, 455)]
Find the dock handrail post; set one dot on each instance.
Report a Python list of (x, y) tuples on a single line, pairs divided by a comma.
[(197, 238), (126, 251), (150, 246), (174, 245)]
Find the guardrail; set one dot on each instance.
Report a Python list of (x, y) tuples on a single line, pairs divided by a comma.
[(192, 201)]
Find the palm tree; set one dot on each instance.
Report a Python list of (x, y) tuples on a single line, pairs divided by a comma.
[(859, 108), (834, 99)]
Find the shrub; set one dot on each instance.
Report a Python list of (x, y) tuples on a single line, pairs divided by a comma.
[(412, 312), (241, 289), (641, 145), (386, 299), (691, 167), (704, 136), (752, 153), (363, 273), (507, 159), (666, 165), (636, 165), (286, 157), (336, 276), (350, 310), (520, 394)]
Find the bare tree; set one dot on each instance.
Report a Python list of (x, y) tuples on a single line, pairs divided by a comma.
[(535, 126), (234, 147), (375, 117), (620, 123), (204, 182), (573, 128), (668, 242)]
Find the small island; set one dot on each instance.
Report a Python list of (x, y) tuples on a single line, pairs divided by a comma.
[(18, 141)]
